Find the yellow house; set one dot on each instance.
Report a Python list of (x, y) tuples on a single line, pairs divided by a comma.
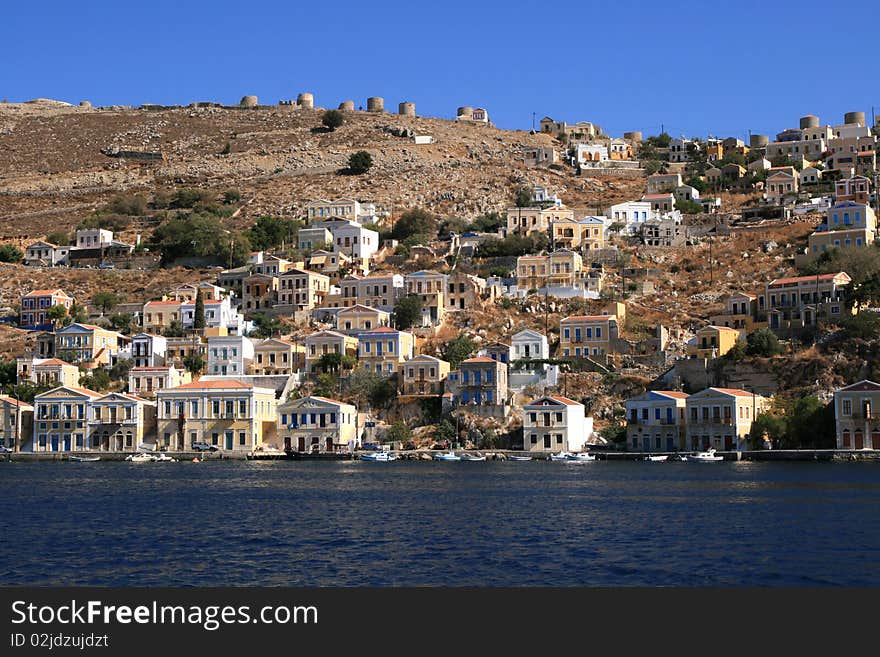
[(177, 349), (587, 335), (430, 286), (714, 341), (47, 371), (229, 414), (535, 219), (119, 422), (317, 424), (358, 318), (424, 375), (158, 315), (145, 381), (16, 423), (560, 268), (721, 418), (383, 350), (302, 289), (328, 342), (278, 356), (740, 312), (77, 343)]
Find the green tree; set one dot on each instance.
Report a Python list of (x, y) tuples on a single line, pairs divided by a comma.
[(120, 370), (199, 315), (360, 162), (265, 326), (333, 119), (686, 206), (194, 363), (8, 373), (105, 301), (59, 238), (407, 312), (523, 197), (134, 205), (488, 223), (271, 232), (174, 329), (58, 314), (122, 322), (653, 166), (231, 196), (763, 343), (697, 183), (771, 424), (9, 253), (865, 325), (398, 432), (98, 380), (458, 350), (416, 221), (78, 313)]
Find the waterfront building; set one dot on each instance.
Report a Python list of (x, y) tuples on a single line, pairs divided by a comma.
[(555, 423), (16, 423), (655, 421), (61, 419), (119, 422), (721, 418), (229, 414), (317, 424), (478, 381), (857, 426)]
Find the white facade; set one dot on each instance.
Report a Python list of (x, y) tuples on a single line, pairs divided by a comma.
[(529, 345), (554, 423), (355, 240), (631, 214), (217, 314), (46, 254), (586, 154), (229, 354), (92, 238), (148, 350)]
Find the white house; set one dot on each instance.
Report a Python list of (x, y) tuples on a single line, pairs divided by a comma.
[(217, 314), (148, 350), (46, 254), (587, 154), (526, 346), (554, 423), (229, 354), (91, 238), (351, 238), (631, 214), (529, 345)]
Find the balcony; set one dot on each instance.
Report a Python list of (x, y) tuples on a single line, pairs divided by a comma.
[(717, 421)]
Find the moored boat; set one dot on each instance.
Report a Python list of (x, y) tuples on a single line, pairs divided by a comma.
[(472, 457), (140, 457), (85, 459), (705, 457), (447, 456), (519, 458), (662, 457), (378, 456)]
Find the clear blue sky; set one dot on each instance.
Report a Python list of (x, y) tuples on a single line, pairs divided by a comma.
[(695, 67)]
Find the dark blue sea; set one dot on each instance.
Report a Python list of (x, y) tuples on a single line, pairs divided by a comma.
[(354, 523)]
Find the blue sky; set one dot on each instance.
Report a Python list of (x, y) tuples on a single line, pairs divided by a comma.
[(697, 68)]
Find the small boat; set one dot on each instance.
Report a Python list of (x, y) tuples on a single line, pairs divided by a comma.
[(705, 457), (472, 457), (580, 457), (140, 457), (447, 456), (85, 459), (520, 458), (379, 456), (165, 457), (656, 458)]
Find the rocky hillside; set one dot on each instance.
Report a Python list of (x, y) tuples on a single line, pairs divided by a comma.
[(58, 163)]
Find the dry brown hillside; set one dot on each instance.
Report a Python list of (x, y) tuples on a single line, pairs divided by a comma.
[(53, 171)]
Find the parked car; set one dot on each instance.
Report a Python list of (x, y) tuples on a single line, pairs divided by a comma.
[(4, 449), (375, 447), (204, 447)]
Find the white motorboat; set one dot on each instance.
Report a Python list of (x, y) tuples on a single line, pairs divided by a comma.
[(447, 456), (520, 458), (164, 457), (140, 457), (656, 458), (85, 459), (705, 457), (378, 456), (579, 457), (472, 457)]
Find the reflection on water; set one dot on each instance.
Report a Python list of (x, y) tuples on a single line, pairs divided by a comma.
[(412, 523)]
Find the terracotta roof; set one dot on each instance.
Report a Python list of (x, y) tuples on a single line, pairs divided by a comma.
[(587, 318), (163, 303), (564, 400), (326, 333), (328, 400), (733, 391), (82, 391), (657, 195), (480, 359), (53, 361), (45, 293), (198, 385), (14, 402), (156, 368), (383, 329), (800, 279), (860, 386), (671, 393)]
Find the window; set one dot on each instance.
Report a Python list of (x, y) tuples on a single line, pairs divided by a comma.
[(242, 438), (847, 407), (215, 407)]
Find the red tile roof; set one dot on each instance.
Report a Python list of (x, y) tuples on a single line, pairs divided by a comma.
[(14, 402), (733, 391), (564, 400), (53, 361), (480, 359), (672, 393), (588, 318), (800, 279), (213, 385), (46, 293)]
